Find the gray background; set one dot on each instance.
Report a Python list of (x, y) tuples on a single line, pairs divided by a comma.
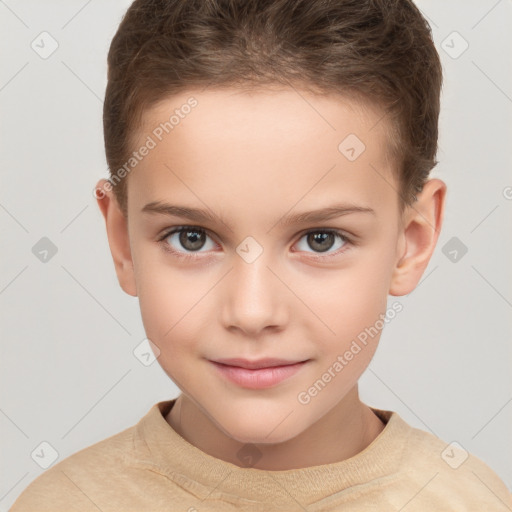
[(68, 373)]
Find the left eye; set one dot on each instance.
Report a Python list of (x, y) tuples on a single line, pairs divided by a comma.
[(322, 241)]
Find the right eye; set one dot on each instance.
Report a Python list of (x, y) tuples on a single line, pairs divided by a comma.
[(190, 238)]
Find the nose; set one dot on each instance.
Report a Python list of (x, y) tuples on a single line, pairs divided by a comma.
[(254, 298)]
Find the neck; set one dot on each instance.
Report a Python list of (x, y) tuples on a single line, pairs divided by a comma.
[(344, 431)]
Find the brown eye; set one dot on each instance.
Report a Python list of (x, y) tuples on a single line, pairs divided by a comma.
[(321, 241), (192, 240), (184, 240)]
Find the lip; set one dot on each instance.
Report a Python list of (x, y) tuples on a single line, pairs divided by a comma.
[(260, 374), (267, 362)]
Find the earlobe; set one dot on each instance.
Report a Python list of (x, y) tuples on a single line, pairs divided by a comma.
[(118, 238), (423, 221)]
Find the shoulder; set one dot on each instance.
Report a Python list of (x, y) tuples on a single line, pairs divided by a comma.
[(446, 474), (70, 484)]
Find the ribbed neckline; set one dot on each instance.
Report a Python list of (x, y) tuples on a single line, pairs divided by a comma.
[(159, 446)]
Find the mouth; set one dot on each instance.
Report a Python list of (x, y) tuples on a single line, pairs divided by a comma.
[(268, 362), (260, 374)]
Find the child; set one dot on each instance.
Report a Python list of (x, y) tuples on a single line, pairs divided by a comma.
[(242, 135)]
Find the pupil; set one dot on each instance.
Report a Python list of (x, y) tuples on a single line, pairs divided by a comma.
[(316, 238), (191, 240)]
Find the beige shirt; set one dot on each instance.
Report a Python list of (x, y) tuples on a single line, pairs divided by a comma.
[(149, 467)]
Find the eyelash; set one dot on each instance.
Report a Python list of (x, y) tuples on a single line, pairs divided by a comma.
[(191, 256)]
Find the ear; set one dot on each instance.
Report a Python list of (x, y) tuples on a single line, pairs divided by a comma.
[(118, 239), (421, 225)]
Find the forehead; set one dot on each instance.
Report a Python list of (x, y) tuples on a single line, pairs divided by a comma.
[(264, 148)]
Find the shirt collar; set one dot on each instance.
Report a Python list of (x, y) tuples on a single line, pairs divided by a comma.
[(163, 450)]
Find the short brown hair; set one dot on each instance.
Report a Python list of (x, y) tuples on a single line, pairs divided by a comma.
[(378, 51)]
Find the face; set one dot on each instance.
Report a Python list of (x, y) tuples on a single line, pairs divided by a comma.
[(254, 280)]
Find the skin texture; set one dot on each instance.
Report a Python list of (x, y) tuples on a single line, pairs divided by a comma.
[(253, 158)]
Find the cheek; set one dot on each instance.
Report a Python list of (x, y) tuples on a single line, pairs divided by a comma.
[(349, 304), (171, 313), (170, 301)]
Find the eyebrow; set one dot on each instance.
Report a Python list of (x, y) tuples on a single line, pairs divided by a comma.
[(202, 215)]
